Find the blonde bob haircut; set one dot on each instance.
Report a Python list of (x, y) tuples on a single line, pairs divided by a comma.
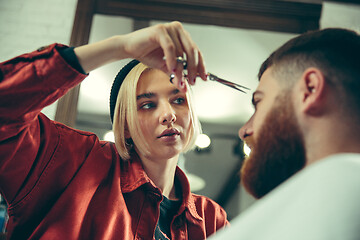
[(125, 122)]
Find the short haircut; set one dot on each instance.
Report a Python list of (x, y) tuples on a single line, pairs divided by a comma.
[(126, 119), (335, 51)]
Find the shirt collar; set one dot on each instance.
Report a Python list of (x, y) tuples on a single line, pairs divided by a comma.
[(133, 176), (188, 198)]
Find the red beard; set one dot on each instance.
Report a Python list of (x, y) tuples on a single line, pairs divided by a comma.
[(277, 153)]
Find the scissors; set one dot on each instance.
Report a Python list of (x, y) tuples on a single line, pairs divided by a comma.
[(213, 77)]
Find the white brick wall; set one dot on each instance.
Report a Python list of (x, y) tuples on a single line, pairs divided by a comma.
[(26, 25)]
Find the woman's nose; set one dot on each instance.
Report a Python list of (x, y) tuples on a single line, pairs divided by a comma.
[(167, 115)]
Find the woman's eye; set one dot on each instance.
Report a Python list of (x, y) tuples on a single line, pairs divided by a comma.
[(147, 105), (179, 100)]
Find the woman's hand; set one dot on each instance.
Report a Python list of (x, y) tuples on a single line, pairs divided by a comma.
[(150, 46), (157, 46)]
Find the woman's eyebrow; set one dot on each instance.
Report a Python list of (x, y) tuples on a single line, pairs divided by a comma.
[(175, 91), (151, 94), (146, 95)]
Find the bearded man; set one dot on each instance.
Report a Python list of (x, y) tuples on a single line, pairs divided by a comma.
[(305, 141)]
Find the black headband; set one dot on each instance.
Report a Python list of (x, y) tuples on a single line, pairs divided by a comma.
[(117, 84)]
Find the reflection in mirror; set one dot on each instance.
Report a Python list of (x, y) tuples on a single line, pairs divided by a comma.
[(234, 54)]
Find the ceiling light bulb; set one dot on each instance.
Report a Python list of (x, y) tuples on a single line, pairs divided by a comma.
[(109, 136), (247, 150), (203, 141)]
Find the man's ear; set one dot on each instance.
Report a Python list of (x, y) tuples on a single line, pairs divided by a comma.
[(312, 88)]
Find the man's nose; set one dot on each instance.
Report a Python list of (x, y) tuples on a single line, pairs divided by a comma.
[(167, 114), (242, 133), (246, 130)]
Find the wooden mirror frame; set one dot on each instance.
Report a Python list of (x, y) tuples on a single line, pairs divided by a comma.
[(291, 16)]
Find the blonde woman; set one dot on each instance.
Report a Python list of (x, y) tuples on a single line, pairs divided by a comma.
[(154, 122), (62, 183)]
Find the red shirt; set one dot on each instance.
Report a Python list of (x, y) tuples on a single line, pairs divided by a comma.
[(62, 183)]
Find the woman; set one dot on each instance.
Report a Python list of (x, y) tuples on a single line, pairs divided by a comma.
[(62, 183), (159, 124)]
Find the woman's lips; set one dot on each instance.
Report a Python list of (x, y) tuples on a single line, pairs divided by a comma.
[(169, 135), (170, 132)]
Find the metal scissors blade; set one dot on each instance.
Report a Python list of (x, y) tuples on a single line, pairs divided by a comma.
[(213, 77)]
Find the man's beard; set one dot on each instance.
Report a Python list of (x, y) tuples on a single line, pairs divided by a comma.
[(277, 153)]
